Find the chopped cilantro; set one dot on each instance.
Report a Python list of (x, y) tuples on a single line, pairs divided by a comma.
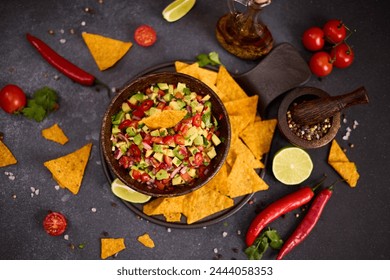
[(269, 238), (43, 102)]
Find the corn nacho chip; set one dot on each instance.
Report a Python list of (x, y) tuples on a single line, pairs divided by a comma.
[(68, 170), (105, 51), (258, 136), (164, 119), (172, 217), (6, 156), (146, 240), (111, 246), (241, 149), (228, 85), (340, 162), (164, 205), (55, 134), (180, 65)]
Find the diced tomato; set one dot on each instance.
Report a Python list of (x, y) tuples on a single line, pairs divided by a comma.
[(168, 140), (184, 128), (136, 174), (197, 120), (161, 105), (160, 185), (157, 139), (138, 113), (145, 177), (128, 123), (186, 177), (147, 138), (168, 160), (179, 139), (183, 151), (124, 161), (167, 108), (179, 95), (209, 136), (146, 105), (161, 92), (148, 90), (132, 106), (202, 170), (198, 159), (155, 162), (134, 151)]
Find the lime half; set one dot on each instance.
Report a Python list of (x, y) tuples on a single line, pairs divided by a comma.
[(292, 165), (177, 9), (124, 192)]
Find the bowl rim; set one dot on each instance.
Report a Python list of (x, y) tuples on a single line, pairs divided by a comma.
[(107, 154)]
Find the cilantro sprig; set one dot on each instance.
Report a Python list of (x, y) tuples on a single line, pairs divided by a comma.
[(208, 59), (43, 102), (269, 238)]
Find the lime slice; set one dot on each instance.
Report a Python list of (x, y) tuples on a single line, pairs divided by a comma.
[(177, 9), (292, 165), (124, 192)]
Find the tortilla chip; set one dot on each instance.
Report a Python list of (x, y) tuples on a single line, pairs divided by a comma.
[(340, 162), (336, 153), (180, 65), (105, 51), (246, 106), (240, 148), (6, 157), (347, 170), (163, 205), (198, 204), (243, 179), (172, 217), (164, 119), (228, 85), (111, 246), (55, 134), (258, 136), (146, 240), (191, 70), (68, 170)]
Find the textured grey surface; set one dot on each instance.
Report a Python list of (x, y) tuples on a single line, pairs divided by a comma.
[(355, 225)]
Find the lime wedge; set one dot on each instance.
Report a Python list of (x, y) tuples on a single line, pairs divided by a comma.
[(177, 9), (292, 165), (124, 192)]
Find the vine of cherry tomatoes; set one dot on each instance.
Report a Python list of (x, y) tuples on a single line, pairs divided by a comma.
[(334, 33)]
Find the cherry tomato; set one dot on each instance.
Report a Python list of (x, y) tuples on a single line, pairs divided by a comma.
[(313, 39), (145, 35), (321, 64), (342, 55), (145, 105), (55, 223), (12, 99), (334, 31)]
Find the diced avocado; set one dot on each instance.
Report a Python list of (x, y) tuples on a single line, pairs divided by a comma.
[(170, 89), (212, 153), (115, 129), (148, 153), (137, 139), (163, 86), (206, 98), (168, 97), (157, 148), (123, 146), (177, 104), (145, 129), (168, 152), (162, 174), (193, 150), (207, 106), (176, 152), (215, 140), (125, 107), (192, 132), (158, 156), (177, 180), (176, 161), (131, 131), (196, 106), (163, 132), (192, 172), (180, 87), (137, 97), (117, 119), (155, 133), (152, 111), (199, 140), (206, 118)]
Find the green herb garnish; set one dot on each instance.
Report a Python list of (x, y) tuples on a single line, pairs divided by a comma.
[(43, 102), (269, 238), (208, 59)]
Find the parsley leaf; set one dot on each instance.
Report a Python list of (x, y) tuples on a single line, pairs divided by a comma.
[(269, 238), (208, 59), (43, 102)]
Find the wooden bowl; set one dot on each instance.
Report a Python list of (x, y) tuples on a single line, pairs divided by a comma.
[(140, 84), (296, 96)]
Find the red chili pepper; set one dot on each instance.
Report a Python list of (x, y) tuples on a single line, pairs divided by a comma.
[(308, 222), (60, 63), (278, 208)]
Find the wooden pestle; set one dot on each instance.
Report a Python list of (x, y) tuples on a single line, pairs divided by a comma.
[(316, 110)]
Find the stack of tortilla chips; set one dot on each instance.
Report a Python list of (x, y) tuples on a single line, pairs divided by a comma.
[(251, 139)]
